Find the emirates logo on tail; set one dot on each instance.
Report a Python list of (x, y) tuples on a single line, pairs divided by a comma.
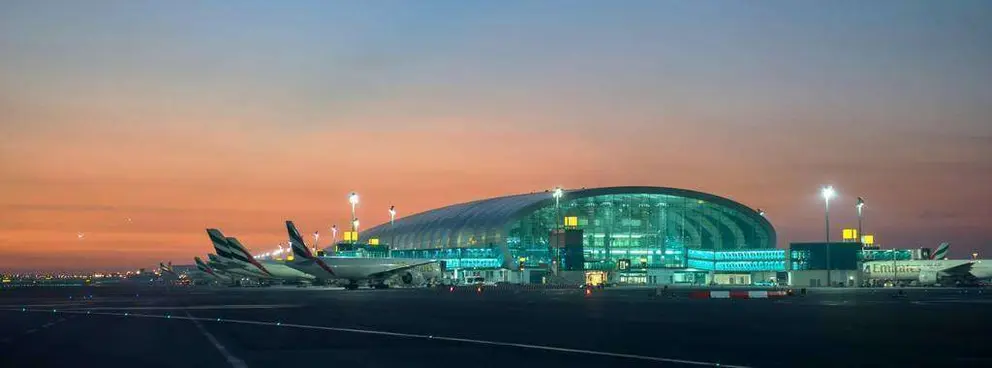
[(296, 242), (941, 251)]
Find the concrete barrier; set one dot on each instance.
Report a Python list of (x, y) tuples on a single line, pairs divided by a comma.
[(738, 294)]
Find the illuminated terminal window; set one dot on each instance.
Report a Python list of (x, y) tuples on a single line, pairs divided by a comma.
[(351, 236), (850, 234)]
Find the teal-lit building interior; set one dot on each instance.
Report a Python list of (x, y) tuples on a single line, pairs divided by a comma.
[(622, 229)]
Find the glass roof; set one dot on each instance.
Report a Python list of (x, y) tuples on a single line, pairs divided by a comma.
[(496, 213)]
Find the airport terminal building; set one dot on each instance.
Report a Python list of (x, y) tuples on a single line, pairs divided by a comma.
[(618, 234)]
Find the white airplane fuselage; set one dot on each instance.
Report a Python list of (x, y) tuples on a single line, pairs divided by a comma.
[(198, 275), (908, 270), (241, 269), (353, 268), (283, 271)]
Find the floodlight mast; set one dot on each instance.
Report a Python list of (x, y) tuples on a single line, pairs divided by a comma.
[(827, 193)]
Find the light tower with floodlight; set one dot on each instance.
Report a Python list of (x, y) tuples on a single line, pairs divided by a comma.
[(827, 192), (316, 241), (860, 206), (392, 235), (557, 194), (353, 199)]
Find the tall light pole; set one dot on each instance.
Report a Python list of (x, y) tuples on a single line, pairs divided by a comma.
[(827, 192), (353, 199), (334, 238), (557, 194), (354, 225), (392, 235), (316, 241), (860, 206)]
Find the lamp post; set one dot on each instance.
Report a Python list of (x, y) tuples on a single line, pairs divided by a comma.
[(354, 225), (316, 241), (860, 206), (557, 194), (334, 238), (392, 235), (827, 192), (353, 199)]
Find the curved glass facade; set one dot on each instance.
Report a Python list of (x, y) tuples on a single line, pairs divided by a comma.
[(651, 227), (650, 230)]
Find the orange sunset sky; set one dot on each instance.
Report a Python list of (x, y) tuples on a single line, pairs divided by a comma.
[(182, 117)]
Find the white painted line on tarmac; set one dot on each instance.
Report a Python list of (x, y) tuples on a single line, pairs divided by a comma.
[(237, 363), (231, 359), (199, 307)]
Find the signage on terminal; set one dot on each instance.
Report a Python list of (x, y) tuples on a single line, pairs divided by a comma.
[(623, 264)]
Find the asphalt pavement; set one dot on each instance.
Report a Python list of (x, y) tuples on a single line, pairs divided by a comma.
[(494, 327)]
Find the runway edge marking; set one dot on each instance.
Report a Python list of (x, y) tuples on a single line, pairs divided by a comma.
[(231, 359)]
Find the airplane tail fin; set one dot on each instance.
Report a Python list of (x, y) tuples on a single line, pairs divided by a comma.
[(300, 249), (214, 262), (220, 244), (941, 251), (238, 248), (203, 266), (241, 253)]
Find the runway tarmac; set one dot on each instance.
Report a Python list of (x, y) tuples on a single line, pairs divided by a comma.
[(508, 327)]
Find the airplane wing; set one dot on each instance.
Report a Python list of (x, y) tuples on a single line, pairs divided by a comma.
[(963, 269), (391, 272)]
